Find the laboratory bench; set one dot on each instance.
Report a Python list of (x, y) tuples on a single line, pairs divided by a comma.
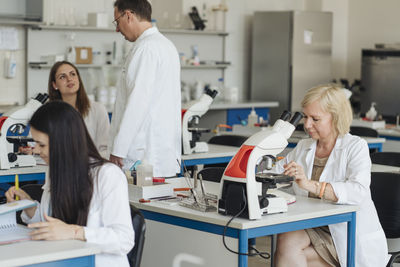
[(179, 234), (215, 154), (35, 173), (392, 136), (49, 253), (373, 142), (385, 168), (233, 113)]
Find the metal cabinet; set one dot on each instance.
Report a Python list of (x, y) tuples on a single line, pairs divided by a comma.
[(291, 52)]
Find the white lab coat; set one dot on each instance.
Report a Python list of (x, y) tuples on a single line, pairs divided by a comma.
[(109, 223), (98, 125), (348, 170), (147, 112)]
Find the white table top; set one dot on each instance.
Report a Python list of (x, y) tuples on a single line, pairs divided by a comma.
[(25, 170), (304, 208), (384, 168), (214, 151), (32, 252), (271, 104), (389, 132)]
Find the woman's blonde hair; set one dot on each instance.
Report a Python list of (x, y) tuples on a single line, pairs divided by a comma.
[(333, 100)]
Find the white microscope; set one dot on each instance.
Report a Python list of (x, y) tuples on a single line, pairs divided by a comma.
[(15, 121), (191, 113), (243, 193)]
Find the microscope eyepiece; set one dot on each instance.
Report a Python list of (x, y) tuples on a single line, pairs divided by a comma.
[(285, 115), (211, 93), (296, 118), (42, 98)]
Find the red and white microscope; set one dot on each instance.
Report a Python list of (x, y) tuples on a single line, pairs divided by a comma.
[(14, 122), (242, 192)]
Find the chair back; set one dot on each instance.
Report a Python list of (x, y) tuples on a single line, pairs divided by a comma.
[(35, 191), (213, 174), (385, 188), (139, 226), (363, 131), (386, 158), (228, 140)]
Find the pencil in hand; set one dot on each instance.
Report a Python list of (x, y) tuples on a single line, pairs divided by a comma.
[(16, 185)]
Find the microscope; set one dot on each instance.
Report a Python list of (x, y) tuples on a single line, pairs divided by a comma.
[(13, 125), (243, 193), (191, 114)]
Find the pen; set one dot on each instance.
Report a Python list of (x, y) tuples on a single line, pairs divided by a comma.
[(142, 200), (16, 185), (181, 189)]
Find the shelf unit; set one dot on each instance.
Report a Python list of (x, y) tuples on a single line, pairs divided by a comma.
[(40, 26), (211, 48), (95, 66)]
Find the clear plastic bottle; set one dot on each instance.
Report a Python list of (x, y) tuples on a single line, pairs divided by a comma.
[(144, 173), (252, 118), (371, 113)]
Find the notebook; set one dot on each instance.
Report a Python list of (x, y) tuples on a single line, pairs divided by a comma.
[(10, 231)]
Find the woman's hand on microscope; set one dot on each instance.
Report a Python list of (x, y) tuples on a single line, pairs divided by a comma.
[(26, 150), (295, 170)]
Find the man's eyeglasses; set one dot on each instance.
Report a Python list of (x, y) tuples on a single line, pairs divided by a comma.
[(115, 22)]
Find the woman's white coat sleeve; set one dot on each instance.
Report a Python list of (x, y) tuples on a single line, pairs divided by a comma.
[(114, 232)]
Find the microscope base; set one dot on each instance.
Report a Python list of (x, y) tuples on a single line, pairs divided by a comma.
[(201, 147), (276, 205), (22, 161)]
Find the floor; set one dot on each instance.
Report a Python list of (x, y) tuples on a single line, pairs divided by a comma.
[(263, 244)]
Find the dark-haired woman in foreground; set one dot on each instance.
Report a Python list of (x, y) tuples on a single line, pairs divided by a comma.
[(85, 197)]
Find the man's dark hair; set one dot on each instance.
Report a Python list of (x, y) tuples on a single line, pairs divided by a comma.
[(142, 8)]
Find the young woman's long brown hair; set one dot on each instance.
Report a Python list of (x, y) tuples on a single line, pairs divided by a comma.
[(82, 100)]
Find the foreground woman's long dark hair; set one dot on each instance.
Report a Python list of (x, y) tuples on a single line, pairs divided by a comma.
[(72, 154)]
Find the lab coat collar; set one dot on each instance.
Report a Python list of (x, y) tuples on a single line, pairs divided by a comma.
[(146, 33), (311, 145)]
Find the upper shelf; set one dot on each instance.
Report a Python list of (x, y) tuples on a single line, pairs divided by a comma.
[(88, 28), (202, 66), (10, 21)]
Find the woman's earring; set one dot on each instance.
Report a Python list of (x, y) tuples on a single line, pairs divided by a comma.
[(56, 88)]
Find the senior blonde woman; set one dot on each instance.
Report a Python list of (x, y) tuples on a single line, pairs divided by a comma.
[(332, 165)]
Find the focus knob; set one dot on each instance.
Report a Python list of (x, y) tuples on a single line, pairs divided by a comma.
[(264, 202), (12, 157)]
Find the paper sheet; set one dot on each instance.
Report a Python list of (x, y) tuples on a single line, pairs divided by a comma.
[(8, 38)]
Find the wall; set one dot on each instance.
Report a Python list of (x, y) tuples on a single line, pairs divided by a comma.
[(357, 24), (13, 90), (339, 8), (370, 22), (238, 24)]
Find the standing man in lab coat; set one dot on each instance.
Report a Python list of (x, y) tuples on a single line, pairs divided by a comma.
[(146, 122)]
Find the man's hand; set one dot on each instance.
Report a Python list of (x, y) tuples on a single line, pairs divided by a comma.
[(117, 160)]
